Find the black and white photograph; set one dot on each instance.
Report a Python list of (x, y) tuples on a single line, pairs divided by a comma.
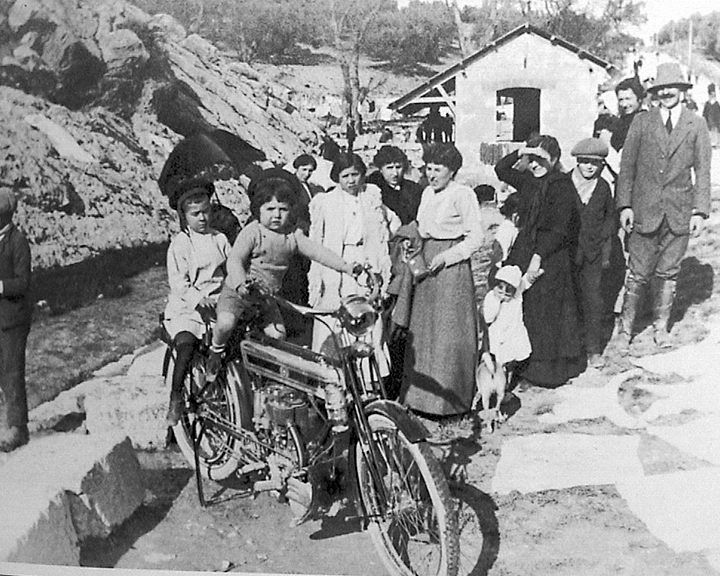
[(359, 287)]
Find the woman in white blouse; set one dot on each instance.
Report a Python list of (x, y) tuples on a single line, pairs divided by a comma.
[(440, 355), (352, 221)]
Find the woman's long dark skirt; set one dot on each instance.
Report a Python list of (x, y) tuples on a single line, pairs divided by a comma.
[(550, 313), (441, 349)]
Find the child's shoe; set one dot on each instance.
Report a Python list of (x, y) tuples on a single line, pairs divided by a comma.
[(213, 365), (175, 410)]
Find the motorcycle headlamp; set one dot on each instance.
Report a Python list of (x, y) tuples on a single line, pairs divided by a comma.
[(357, 315), (361, 349)]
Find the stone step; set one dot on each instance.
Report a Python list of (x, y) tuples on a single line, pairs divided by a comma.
[(61, 489)]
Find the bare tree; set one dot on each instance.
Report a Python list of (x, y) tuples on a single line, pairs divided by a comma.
[(464, 30), (350, 20)]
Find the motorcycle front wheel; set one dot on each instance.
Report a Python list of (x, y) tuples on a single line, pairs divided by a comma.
[(413, 525), (202, 408)]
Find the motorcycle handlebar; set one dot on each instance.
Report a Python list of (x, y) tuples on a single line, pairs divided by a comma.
[(372, 282)]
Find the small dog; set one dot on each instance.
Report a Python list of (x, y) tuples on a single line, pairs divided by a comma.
[(491, 380)]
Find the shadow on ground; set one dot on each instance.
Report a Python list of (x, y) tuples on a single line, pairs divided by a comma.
[(694, 285), (163, 487), (479, 529)]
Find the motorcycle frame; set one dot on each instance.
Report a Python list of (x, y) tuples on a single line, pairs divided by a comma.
[(360, 435)]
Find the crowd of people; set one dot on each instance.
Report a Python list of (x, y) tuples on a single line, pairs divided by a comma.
[(561, 236)]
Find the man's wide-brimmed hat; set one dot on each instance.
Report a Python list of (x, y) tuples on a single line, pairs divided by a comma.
[(669, 75)]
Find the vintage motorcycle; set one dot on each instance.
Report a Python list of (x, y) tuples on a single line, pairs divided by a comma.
[(281, 416)]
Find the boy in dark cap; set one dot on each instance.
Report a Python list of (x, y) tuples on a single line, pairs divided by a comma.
[(598, 224), (15, 313)]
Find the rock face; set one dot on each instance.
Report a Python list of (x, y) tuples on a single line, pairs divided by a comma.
[(94, 94)]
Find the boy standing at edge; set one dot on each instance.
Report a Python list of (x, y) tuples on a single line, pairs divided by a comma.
[(15, 315)]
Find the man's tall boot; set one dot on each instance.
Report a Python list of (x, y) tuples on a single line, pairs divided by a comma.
[(664, 295), (633, 294)]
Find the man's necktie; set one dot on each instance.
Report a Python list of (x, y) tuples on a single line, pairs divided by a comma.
[(668, 124)]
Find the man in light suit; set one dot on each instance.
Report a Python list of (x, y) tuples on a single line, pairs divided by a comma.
[(659, 204)]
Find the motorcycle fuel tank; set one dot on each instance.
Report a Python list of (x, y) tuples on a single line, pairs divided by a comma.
[(290, 364)]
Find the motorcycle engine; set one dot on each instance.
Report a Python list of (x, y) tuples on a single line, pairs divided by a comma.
[(285, 406)]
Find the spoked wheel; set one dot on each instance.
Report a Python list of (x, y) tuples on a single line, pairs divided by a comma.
[(413, 526), (218, 401)]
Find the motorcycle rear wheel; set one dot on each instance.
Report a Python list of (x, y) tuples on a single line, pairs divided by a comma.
[(417, 535), (217, 455)]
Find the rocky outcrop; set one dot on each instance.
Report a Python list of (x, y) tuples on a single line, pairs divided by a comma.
[(63, 489), (93, 96), (128, 397)]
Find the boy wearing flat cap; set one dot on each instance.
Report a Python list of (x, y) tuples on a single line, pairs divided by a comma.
[(598, 224), (663, 195), (15, 312)]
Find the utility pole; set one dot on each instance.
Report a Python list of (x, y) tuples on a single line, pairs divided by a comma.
[(690, 47)]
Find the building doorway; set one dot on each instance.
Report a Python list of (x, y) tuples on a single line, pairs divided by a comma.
[(517, 114)]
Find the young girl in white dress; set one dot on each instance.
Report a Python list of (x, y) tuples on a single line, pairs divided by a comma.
[(196, 269)]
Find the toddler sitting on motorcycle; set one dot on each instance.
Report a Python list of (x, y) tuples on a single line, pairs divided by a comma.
[(261, 254)]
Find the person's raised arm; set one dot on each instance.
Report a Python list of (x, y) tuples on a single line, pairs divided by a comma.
[(322, 255), (505, 171)]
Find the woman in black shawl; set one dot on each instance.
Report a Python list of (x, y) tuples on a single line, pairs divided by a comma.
[(548, 224)]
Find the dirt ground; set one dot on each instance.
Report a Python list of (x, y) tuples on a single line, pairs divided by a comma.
[(585, 530)]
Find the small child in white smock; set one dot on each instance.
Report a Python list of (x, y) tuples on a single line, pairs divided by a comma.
[(503, 313), (506, 341)]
